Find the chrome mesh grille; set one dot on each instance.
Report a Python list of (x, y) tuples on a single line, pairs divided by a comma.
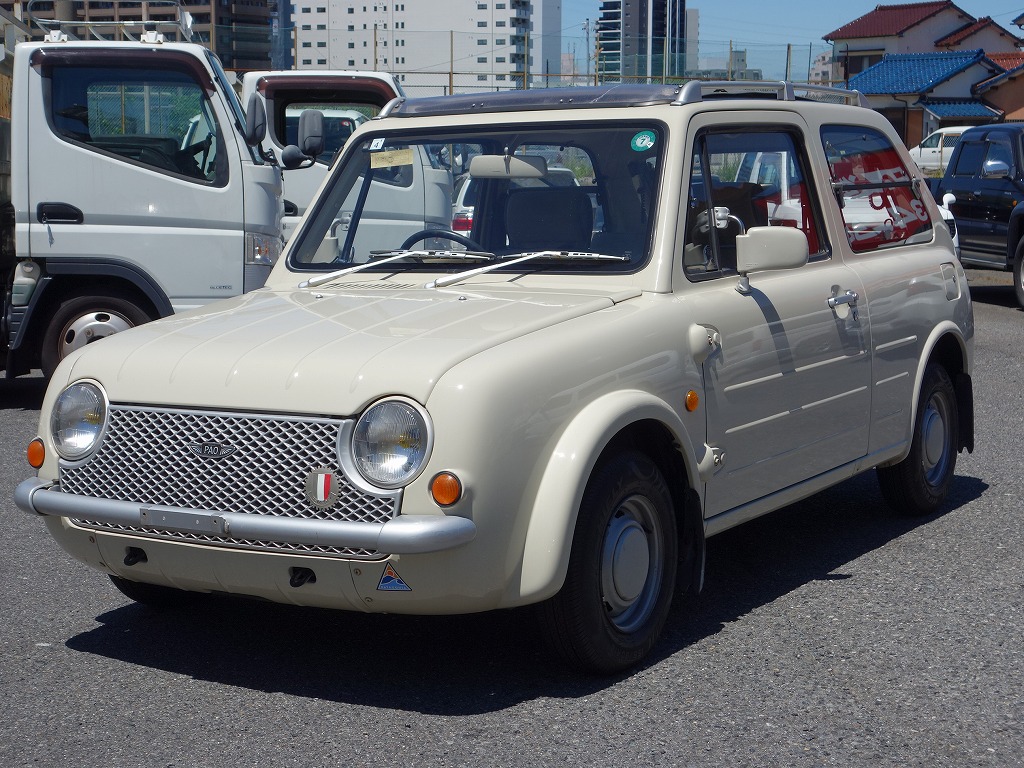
[(145, 458)]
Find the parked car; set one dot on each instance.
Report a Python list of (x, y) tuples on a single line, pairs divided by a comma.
[(934, 152), (559, 412), (985, 179)]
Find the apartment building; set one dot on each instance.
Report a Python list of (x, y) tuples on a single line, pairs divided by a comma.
[(433, 48)]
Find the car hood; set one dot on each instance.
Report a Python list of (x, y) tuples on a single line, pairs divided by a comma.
[(321, 351)]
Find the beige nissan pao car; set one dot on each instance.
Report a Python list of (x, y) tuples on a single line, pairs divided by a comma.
[(749, 296)]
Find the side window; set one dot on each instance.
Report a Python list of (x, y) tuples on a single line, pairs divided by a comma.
[(931, 142), (160, 119), (878, 199), (740, 180), (971, 155), (999, 151)]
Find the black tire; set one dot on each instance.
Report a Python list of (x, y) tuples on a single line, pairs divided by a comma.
[(83, 320), (155, 596), (622, 569), (1018, 275), (918, 484)]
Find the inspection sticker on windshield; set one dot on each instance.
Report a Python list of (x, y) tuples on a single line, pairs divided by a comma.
[(390, 158), (643, 141)]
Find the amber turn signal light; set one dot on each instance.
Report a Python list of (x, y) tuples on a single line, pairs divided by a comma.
[(35, 453), (692, 400), (445, 489)]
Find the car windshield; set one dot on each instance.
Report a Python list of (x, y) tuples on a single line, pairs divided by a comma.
[(567, 189)]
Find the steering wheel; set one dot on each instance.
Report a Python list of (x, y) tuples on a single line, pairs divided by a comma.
[(189, 153), (445, 234)]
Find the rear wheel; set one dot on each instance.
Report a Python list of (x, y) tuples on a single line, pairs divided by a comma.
[(83, 320), (918, 484), (622, 569)]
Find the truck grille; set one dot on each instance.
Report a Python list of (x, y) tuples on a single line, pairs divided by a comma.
[(149, 456)]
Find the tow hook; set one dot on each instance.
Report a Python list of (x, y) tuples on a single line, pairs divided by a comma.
[(134, 555), (301, 576)]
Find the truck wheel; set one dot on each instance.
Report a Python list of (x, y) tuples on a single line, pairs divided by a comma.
[(83, 320), (1018, 275), (622, 569), (154, 595), (918, 484)]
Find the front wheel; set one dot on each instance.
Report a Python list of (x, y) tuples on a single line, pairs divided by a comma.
[(622, 569), (918, 484), (1018, 275), (83, 320)]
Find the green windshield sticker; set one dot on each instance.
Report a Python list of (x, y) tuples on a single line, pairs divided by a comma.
[(643, 141)]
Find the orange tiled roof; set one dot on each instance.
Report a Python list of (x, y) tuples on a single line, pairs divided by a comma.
[(891, 20), (957, 37)]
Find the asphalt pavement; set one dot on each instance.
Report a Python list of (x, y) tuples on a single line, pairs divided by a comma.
[(830, 633)]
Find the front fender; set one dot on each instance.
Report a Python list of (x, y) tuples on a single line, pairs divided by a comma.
[(556, 505)]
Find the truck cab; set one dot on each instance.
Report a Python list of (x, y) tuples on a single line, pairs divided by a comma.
[(137, 191), (986, 176), (347, 99)]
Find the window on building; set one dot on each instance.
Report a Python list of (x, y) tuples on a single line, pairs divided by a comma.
[(321, 44), (481, 77), (307, 62), (499, 59), (307, 45), (481, 42), (481, 59), (351, 44), (500, 41), (481, 23), (499, 23)]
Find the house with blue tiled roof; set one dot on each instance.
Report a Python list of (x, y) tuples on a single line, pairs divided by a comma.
[(921, 64), (918, 92)]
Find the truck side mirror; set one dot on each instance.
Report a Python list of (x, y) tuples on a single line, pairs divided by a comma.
[(255, 121), (310, 141), (995, 169)]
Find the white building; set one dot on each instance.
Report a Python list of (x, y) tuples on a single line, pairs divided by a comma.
[(434, 48)]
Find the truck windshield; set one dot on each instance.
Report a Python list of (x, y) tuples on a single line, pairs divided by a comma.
[(501, 191)]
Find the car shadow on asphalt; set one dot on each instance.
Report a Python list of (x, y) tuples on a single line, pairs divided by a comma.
[(995, 295), (23, 394), (460, 665)]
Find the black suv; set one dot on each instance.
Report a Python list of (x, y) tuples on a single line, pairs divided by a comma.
[(986, 175)]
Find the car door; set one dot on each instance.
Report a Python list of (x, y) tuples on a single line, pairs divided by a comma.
[(787, 386), (115, 179)]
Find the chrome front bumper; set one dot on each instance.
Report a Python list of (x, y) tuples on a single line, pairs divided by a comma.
[(402, 535)]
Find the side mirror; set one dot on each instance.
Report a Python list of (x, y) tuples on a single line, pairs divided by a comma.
[(766, 248), (310, 141), (255, 121), (948, 199), (995, 169)]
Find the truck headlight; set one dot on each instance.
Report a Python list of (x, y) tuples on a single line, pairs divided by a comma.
[(77, 421), (391, 442)]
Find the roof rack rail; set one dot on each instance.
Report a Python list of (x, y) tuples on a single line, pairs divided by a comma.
[(695, 90), (119, 19)]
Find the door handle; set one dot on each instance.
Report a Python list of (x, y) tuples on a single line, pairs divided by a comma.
[(850, 297), (59, 213)]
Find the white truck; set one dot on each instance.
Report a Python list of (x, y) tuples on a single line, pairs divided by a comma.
[(139, 188), (346, 98)]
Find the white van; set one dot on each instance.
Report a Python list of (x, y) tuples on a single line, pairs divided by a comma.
[(934, 152)]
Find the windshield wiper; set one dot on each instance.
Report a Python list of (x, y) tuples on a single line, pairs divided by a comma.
[(386, 257), (441, 282)]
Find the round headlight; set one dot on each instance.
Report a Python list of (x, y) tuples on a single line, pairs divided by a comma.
[(77, 420), (390, 443)]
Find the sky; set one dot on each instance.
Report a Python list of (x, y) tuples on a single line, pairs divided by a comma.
[(764, 28)]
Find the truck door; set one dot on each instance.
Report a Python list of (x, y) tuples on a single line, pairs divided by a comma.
[(982, 207), (788, 385), (132, 162)]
